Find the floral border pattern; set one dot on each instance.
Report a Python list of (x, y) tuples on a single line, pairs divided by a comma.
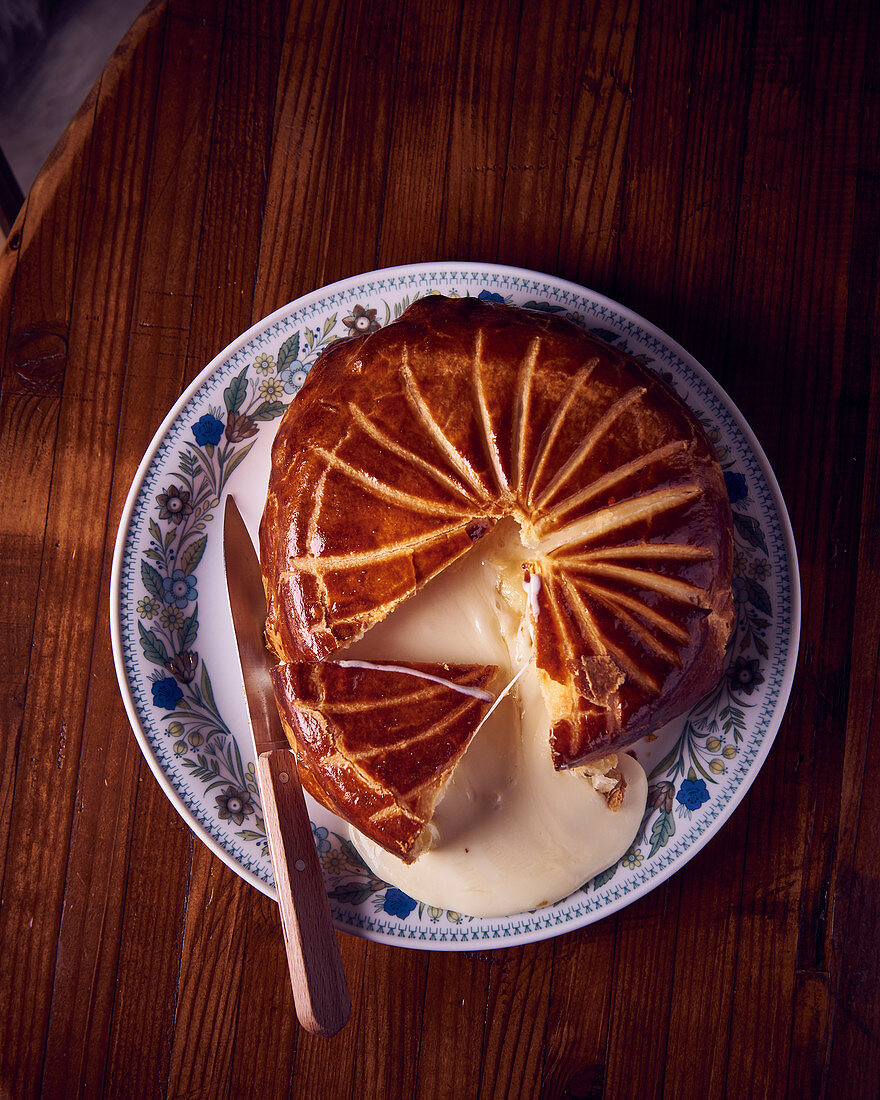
[(168, 622), (718, 742)]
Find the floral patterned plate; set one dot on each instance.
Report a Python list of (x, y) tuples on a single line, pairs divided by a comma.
[(175, 651)]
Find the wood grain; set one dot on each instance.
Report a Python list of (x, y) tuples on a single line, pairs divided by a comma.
[(519, 989), (294, 224), (848, 1017), (534, 171), (598, 137), (69, 567), (363, 118), (707, 944), (579, 1013), (714, 166), (419, 127), (651, 200), (480, 127), (444, 1049)]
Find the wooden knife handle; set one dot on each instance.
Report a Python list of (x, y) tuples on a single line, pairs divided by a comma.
[(320, 992)]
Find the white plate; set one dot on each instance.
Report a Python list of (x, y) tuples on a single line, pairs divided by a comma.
[(168, 598)]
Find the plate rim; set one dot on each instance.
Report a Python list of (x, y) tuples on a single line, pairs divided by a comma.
[(460, 268)]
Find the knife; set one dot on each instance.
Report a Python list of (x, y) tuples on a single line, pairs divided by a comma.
[(320, 992)]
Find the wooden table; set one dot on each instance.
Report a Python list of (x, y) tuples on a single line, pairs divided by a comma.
[(713, 165)]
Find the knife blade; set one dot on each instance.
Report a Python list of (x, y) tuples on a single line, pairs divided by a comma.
[(320, 992)]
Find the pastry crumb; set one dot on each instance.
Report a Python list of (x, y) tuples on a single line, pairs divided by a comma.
[(604, 776), (615, 797)]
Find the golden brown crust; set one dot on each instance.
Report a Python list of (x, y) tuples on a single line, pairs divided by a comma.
[(376, 744), (406, 445)]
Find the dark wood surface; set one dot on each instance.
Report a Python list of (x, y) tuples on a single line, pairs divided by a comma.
[(713, 165)]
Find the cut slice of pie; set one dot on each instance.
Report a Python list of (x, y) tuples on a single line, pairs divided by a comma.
[(377, 743)]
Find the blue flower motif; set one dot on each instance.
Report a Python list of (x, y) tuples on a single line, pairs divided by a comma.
[(736, 486), (166, 693), (692, 793), (179, 588), (321, 836), (398, 904), (293, 376), (207, 430), (488, 296)]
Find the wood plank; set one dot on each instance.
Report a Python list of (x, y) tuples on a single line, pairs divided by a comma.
[(25, 418), (212, 960), (362, 135), (516, 1021), (775, 168), (262, 1058), (644, 954), (163, 308), (138, 965), (534, 173), (716, 140), (389, 1022), (415, 187), (839, 59), (277, 1058), (456, 998), (603, 76), (96, 894), (236, 180), (43, 247), (68, 573), (482, 116), (294, 230), (852, 1062), (36, 278), (98, 941), (651, 205), (705, 965), (579, 1015), (9, 252), (705, 974)]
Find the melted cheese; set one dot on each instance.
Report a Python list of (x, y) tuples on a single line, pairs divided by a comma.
[(462, 689), (510, 833)]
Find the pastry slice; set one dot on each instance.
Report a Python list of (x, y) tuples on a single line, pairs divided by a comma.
[(377, 743)]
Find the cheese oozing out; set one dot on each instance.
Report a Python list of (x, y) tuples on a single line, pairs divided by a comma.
[(510, 833)]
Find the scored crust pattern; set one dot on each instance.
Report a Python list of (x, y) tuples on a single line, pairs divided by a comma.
[(405, 446), (377, 745)]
